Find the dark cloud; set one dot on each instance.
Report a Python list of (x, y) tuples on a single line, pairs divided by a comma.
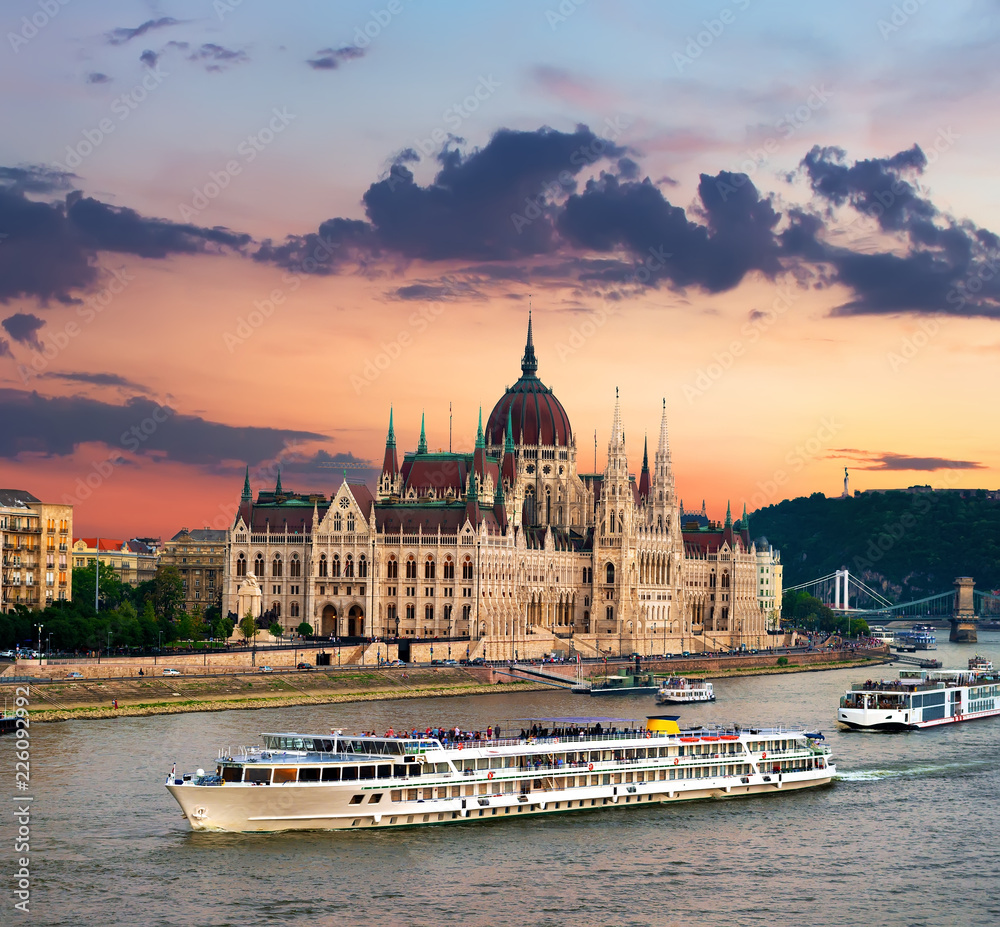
[(217, 57), (149, 58), (470, 209), (57, 426), (35, 178), (117, 228), (943, 265), (23, 327), (329, 59), (122, 34), (96, 77), (5, 350), (888, 460), (49, 249), (97, 379), (738, 235)]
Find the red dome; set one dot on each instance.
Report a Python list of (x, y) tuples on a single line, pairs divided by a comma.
[(536, 416)]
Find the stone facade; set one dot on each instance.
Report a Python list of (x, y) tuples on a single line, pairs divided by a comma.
[(199, 556), (35, 538), (133, 561), (509, 546)]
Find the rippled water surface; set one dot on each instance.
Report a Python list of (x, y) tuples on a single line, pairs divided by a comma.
[(907, 835)]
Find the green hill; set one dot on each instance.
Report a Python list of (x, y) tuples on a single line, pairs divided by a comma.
[(906, 545)]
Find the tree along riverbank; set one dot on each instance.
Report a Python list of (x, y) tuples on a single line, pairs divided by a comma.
[(67, 700)]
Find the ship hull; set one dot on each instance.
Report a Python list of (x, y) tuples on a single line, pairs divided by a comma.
[(246, 809)]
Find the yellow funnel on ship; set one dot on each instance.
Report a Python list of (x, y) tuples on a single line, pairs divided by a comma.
[(663, 724)]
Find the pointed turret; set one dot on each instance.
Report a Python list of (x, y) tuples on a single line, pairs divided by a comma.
[(480, 441), (278, 491), (644, 475), (508, 465), (529, 363), (245, 510), (745, 520), (388, 484), (729, 516), (247, 495), (479, 455), (422, 445)]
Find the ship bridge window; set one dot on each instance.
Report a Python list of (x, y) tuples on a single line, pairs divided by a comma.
[(331, 774), (349, 773), (285, 774), (414, 769), (385, 771), (367, 772), (309, 774), (232, 773), (257, 774)]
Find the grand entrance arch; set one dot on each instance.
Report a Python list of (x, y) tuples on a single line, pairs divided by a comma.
[(328, 622), (356, 622)]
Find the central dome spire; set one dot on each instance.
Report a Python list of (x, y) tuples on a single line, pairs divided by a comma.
[(529, 363)]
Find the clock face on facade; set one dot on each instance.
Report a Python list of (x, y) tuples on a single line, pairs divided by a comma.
[(345, 503)]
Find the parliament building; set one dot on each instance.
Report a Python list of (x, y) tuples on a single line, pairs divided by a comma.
[(509, 546)]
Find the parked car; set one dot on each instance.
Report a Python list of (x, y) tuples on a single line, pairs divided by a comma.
[(171, 672), (74, 675), (266, 669), (477, 661), (304, 666), (449, 662), (395, 663)]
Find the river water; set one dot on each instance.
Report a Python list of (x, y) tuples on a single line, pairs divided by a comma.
[(907, 835)]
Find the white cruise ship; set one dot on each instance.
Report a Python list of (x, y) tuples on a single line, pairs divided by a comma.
[(921, 698), (299, 781)]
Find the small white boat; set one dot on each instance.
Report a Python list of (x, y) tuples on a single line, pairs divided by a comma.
[(680, 691), (980, 664)]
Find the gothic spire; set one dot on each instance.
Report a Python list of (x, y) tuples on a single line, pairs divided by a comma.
[(745, 520), (508, 443), (422, 446), (278, 491), (390, 439), (729, 516), (247, 495), (529, 363), (617, 437), (479, 432), (645, 454)]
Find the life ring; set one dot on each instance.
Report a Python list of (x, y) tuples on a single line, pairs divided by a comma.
[(676, 762), (591, 767), (648, 735), (489, 775), (460, 745), (763, 756)]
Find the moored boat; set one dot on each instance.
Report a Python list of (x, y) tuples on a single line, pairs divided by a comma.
[(921, 698), (340, 781), (625, 683), (677, 690), (980, 663)]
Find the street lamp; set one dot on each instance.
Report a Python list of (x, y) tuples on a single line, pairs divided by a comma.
[(40, 626)]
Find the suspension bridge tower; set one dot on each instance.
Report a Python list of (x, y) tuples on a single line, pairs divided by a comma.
[(963, 620)]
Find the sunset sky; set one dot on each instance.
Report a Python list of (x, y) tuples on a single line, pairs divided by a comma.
[(237, 233)]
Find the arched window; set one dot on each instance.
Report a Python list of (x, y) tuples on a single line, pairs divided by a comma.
[(449, 569), (392, 568), (725, 580), (467, 569), (338, 522), (429, 614), (335, 566), (466, 612), (276, 609), (293, 610), (609, 613), (349, 567), (411, 568), (362, 567), (295, 566), (241, 566), (350, 521), (276, 566), (609, 572), (323, 566), (410, 612), (258, 565), (428, 569)]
